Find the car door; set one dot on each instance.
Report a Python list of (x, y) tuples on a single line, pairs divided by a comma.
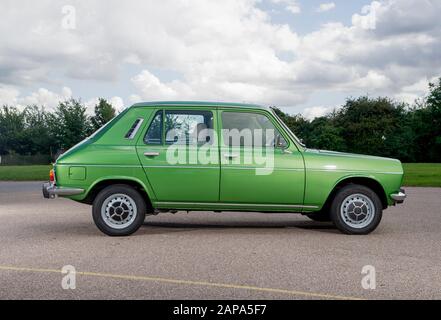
[(265, 169), (173, 154)]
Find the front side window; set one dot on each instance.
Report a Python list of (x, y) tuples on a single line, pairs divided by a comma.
[(242, 129), (154, 133), (188, 127)]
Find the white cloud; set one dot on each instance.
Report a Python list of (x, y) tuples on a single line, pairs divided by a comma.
[(44, 97), (294, 8), (326, 7), (48, 99), (219, 50), (41, 97), (116, 102), (415, 91), (8, 95), (316, 112), (374, 80), (150, 86), (290, 5)]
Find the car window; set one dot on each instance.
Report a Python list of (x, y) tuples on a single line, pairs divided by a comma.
[(242, 129), (188, 127), (154, 133)]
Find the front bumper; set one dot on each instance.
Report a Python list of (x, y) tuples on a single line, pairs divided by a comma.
[(51, 191), (399, 197)]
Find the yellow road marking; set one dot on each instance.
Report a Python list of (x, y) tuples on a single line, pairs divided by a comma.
[(186, 282)]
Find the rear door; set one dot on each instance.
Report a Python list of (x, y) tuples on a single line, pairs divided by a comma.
[(174, 153)]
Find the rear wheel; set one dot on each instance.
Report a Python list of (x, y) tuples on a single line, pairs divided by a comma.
[(356, 209), (119, 210)]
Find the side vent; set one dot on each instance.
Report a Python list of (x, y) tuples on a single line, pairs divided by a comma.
[(134, 129)]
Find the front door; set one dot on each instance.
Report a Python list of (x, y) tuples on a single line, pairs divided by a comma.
[(174, 155), (258, 164)]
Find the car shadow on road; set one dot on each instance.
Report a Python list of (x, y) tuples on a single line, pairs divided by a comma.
[(166, 227)]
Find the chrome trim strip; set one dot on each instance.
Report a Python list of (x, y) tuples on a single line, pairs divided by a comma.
[(262, 168), (198, 104), (351, 171), (181, 167), (98, 165), (176, 167), (237, 204), (223, 167)]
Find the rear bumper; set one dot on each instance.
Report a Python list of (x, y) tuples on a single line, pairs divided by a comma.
[(399, 197), (51, 191)]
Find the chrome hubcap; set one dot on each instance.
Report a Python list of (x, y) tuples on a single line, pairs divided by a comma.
[(357, 211), (119, 211)]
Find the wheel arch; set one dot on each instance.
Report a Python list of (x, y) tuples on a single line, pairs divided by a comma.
[(99, 185), (369, 182)]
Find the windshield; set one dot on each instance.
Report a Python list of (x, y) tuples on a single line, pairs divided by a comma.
[(287, 128)]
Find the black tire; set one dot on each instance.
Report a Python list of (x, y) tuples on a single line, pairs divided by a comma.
[(359, 203), (320, 216), (129, 197)]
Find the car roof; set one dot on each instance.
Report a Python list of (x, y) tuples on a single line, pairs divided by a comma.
[(180, 104)]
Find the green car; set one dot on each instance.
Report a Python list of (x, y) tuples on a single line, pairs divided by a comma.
[(201, 156)]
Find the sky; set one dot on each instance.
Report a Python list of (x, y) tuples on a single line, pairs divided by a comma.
[(304, 56)]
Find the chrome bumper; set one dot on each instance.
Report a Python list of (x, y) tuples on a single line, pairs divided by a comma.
[(51, 191), (399, 197)]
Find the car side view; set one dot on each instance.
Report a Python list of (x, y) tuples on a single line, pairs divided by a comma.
[(160, 157)]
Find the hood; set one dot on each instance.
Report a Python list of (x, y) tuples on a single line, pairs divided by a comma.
[(331, 160)]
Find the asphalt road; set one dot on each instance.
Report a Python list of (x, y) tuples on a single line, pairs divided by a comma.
[(215, 256)]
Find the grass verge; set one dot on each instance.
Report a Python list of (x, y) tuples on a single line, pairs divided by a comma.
[(24, 173), (422, 174)]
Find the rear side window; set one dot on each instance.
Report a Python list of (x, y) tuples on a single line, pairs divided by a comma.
[(188, 127), (154, 133)]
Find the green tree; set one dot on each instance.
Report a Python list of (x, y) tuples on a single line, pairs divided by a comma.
[(71, 123), (324, 134), (367, 124), (429, 123), (39, 136), (12, 136), (104, 112), (297, 123)]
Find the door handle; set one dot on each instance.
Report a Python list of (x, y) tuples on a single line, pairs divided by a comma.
[(151, 154), (231, 156)]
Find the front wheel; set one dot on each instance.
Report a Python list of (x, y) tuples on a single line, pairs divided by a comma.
[(356, 210), (119, 210)]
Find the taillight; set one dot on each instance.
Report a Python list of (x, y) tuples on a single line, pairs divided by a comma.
[(52, 176)]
